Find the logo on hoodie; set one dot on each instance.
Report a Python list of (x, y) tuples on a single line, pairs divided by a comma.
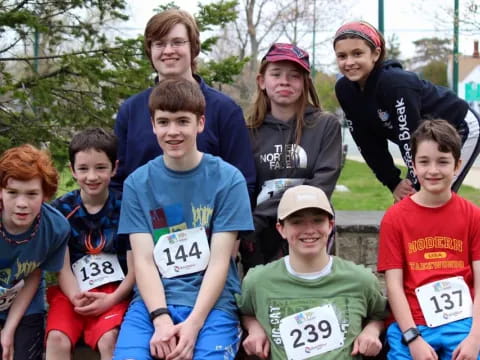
[(384, 116), (288, 156)]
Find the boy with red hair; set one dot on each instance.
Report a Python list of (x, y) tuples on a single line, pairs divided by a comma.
[(33, 236)]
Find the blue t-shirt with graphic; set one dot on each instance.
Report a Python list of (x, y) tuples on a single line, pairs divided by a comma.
[(214, 195), (46, 250), (103, 224)]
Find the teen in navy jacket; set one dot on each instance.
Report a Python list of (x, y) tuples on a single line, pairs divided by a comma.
[(172, 44)]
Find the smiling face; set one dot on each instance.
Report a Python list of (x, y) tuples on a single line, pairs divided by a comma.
[(283, 82), (171, 55), (307, 232), (176, 134), (21, 203), (355, 59), (434, 169)]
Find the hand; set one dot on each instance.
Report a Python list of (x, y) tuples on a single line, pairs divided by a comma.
[(421, 350), (403, 189), (467, 349), (186, 333), (163, 340), (6, 340), (367, 343), (79, 300), (96, 303), (257, 343)]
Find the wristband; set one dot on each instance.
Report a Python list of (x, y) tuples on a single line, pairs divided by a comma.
[(158, 312)]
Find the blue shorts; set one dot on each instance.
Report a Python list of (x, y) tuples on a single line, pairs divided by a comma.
[(443, 339), (219, 338)]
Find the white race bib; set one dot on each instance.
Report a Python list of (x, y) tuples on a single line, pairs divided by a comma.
[(445, 301), (182, 252), (94, 270), (8, 295), (275, 186), (311, 332)]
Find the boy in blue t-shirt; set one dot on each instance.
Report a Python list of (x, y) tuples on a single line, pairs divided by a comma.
[(183, 211), (95, 282), (33, 236)]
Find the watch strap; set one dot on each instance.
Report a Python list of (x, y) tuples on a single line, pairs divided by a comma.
[(158, 312)]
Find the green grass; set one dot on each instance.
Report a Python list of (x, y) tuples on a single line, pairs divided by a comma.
[(367, 193)]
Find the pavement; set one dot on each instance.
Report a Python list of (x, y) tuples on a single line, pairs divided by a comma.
[(472, 178)]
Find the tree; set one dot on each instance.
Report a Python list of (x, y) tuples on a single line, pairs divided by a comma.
[(435, 72), (393, 47), (79, 75), (76, 80), (325, 86), (429, 50)]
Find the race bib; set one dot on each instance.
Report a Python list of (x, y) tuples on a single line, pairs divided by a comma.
[(275, 186), (7, 296), (311, 332), (182, 252), (445, 301), (94, 270)]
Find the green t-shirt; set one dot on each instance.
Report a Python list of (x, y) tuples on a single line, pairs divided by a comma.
[(270, 293)]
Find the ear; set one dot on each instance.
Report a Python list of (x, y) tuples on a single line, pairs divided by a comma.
[(458, 167), (376, 54), (281, 230), (261, 81), (115, 168), (153, 125), (200, 124), (72, 171)]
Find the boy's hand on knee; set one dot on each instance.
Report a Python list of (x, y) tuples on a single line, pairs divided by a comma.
[(6, 340), (257, 343), (367, 343), (421, 350), (468, 349), (186, 333), (163, 340)]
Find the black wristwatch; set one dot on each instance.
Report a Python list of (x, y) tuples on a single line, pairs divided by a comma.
[(157, 312), (410, 335)]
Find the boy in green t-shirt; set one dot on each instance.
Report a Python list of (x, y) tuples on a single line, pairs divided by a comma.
[(310, 304)]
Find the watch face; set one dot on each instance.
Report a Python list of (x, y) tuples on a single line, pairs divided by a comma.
[(410, 335)]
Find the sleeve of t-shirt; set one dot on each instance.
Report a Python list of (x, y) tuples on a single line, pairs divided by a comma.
[(232, 206), (377, 302), (132, 218), (475, 231), (246, 299), (390, 255), (59, 240)]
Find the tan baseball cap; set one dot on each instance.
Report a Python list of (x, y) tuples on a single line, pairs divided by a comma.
[(302, 197)]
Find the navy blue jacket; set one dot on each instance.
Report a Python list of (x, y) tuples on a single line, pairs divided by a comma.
[(391, 106), (225, 135)]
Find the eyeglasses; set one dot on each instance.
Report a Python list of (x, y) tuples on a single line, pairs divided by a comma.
[(175, 43)]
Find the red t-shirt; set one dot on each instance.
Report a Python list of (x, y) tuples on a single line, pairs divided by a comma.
[(429, 244)]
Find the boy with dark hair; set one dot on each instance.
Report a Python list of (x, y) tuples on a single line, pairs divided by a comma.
[(310, 304), (172, 44), (182, 211), (430, 252), (93, 291), (33, 236)]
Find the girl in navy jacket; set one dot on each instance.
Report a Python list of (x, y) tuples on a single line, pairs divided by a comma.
[(383, 102)]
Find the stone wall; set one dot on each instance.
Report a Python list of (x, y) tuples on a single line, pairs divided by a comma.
[(357, 237)]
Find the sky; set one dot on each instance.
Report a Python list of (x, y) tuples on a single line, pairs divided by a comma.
[(408, 19)]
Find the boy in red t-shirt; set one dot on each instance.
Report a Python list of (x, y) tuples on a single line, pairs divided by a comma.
[(430, 253)]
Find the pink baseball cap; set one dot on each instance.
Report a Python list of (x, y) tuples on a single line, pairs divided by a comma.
[(290, 52)]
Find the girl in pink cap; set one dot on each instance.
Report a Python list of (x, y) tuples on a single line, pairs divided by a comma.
[(294, 142), (383, 102)]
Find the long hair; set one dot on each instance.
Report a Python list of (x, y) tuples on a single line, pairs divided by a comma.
[(261, 104)]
